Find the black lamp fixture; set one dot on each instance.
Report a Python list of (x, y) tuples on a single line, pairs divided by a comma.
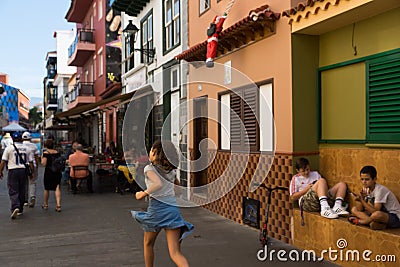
[(66, 97), (130, 32)]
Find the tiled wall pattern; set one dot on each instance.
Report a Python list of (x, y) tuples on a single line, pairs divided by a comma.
[(344, 164), (230, 206)]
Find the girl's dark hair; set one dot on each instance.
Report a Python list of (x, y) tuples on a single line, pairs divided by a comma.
[(49, 143), (369, 170), (166, 155), (302, 163)]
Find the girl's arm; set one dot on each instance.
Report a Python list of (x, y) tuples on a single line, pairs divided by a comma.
[(44, 159), (156, 185)]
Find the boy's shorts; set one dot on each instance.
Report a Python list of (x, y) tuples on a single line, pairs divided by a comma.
[(310, 201), (394, 221)]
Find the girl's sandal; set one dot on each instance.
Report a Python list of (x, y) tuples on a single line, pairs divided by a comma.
[(354, 220), (58, 208), (45, 207)]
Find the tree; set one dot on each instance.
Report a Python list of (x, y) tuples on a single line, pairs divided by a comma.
[(35, 117)]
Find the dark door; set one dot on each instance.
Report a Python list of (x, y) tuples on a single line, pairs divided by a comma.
[(200, 133)]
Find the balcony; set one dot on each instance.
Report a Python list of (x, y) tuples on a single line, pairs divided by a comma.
[(51, 67), (78, 10), (52, 102), (82, 48), (83, 93)]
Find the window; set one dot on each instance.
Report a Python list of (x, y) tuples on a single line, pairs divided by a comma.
[(204, 5), (100, 9), (100, 61), (239, 124), (147, 37), (175, 78), (239, 128), (172, 27), (370, 111), (266, 118), (225, 122)]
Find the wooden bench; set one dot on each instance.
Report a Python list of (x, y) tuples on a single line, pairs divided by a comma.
[(320, 233)]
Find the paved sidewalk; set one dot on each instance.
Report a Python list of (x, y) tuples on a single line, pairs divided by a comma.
[(97, 230)]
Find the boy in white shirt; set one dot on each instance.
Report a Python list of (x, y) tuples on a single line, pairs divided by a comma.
[(311, 190), (376, 205)]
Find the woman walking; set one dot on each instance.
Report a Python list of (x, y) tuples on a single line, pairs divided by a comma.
[(51, 178), (162, 212)]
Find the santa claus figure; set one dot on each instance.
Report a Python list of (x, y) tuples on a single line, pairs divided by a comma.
[(212, 41)]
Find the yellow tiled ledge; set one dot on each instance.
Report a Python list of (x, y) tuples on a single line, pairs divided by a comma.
[(320, 233)]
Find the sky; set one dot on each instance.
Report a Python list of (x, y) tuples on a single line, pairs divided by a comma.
[(27, 29)]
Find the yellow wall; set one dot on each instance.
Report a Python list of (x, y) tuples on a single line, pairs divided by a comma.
[(343, 114), (377, 34)]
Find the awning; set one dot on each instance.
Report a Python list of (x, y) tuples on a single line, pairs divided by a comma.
[(88, 108), (130, 7), (260, 23)]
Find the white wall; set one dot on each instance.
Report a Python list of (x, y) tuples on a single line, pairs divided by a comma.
[(63, 40)]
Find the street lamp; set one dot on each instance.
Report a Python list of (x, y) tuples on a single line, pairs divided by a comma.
[(130, 33)]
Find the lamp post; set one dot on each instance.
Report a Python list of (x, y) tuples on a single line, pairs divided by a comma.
[(130, 33)]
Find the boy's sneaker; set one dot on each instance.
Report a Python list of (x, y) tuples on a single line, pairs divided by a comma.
[(328, 213), (340, 210), (14, 214)]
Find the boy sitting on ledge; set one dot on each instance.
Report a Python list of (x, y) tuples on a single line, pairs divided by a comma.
[(311, 190), (376, 205)]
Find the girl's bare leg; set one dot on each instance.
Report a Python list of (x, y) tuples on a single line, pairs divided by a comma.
[(175, 248)]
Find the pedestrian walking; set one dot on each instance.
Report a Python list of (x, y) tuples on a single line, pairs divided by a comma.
[(163, 211), (51, 178), (16, 156), (5, 142), (31, 185)]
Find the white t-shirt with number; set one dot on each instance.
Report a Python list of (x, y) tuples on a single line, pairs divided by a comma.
[(13, 161), (33, 148)]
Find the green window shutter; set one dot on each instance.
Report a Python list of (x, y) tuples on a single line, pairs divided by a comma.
[(383, 118)]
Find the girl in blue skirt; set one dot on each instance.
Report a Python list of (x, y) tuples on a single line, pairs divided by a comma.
[(162, 212)]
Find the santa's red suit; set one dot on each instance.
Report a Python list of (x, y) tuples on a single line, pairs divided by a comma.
[(212, 41)]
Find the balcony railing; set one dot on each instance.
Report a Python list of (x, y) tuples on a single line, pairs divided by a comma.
[(80, 89), (83, 36)]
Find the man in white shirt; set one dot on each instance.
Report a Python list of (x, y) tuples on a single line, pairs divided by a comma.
[(5, 142), (31, 185), (16, 180)]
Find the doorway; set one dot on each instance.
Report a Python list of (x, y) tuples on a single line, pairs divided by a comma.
[(200, 133)]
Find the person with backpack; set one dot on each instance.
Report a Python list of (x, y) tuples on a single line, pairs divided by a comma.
[(17, 157), (52, 175), (31, 192)]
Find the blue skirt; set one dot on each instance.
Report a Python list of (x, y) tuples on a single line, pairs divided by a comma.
[(163, 215)]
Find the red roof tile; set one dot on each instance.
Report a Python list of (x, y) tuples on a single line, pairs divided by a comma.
[(256, 15)]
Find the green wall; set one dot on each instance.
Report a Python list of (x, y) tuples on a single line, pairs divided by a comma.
[(305, 109), (377, 34)]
